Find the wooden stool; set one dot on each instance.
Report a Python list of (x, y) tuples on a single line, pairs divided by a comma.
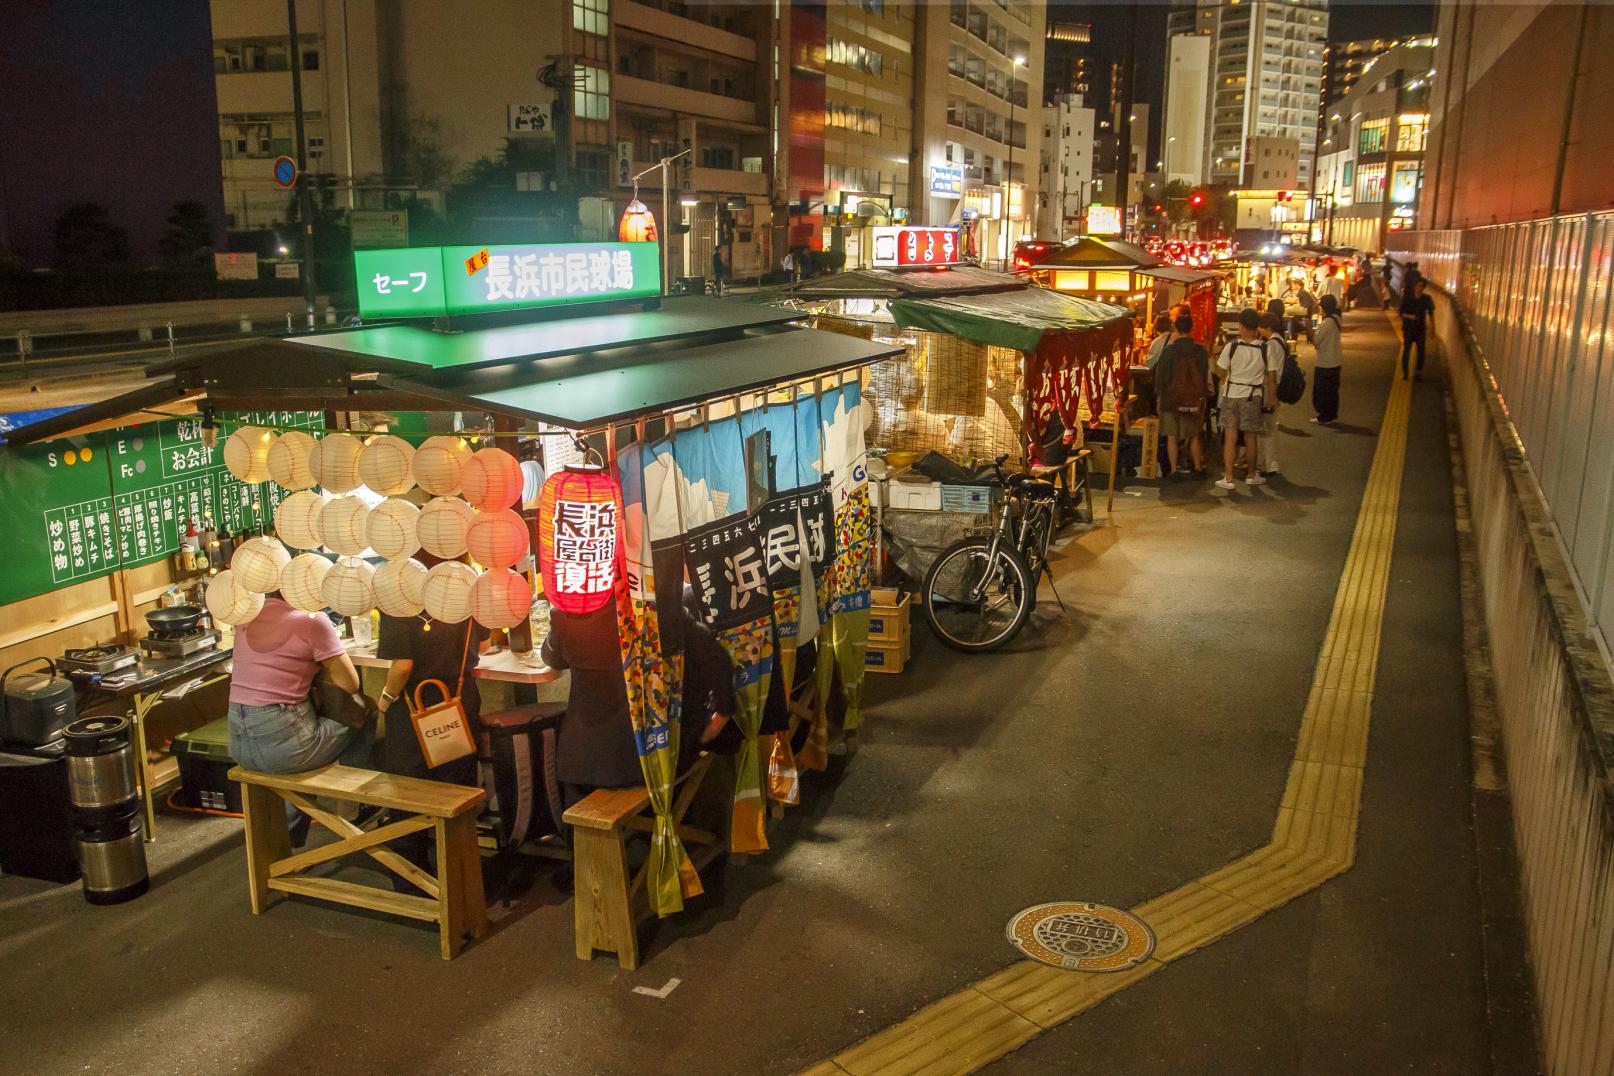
[(453, 899), (607, 907)]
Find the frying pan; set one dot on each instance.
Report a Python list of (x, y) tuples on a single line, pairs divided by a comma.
[(174, 620)]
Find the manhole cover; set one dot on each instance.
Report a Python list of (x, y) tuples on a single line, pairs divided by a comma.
[(1079, 936)]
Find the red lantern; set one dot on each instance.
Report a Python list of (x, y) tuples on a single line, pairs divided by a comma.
[(579, 537), (637, 224)]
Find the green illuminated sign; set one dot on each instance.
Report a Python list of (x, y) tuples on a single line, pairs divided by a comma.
[(414, 282)]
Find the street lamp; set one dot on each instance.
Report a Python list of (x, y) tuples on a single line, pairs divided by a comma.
[(1008, 170), (665, 215)]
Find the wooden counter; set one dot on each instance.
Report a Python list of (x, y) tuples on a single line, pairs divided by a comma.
[(500, 665)]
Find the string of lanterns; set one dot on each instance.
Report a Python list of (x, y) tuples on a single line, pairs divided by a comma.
[(359, 508)]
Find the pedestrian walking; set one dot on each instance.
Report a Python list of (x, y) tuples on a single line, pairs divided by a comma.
[(719, 270), (1330, 356), (1249, 390), (1415, 310), (1277, 351), (1181, 378)]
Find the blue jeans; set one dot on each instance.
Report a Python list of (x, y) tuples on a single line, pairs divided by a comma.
[(291, 738)]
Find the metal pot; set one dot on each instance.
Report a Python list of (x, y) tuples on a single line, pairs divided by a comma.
[(175, 620), (100, 767), (112, 856)]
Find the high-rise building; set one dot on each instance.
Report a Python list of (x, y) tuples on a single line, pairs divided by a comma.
[(1265, 77), (1065, 178), (1186, 122), (1343, 62), (1071, 64)]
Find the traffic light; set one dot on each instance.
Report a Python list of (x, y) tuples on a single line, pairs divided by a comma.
[(1196, 199)]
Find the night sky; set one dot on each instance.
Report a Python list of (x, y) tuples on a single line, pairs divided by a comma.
[(1113, 21)]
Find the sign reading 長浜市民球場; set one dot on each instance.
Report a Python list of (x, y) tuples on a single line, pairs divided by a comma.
[(405, 282)]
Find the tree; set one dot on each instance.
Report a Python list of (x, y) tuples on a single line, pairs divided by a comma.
[(87, 240), (1177, 195), (187, 240)]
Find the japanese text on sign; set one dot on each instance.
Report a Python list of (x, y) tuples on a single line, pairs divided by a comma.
[(915, 246), (585, 546)]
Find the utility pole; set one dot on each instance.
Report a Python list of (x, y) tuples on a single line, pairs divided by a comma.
[(1123, 122), (305, 198)]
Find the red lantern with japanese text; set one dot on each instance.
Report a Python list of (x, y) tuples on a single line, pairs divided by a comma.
[(579, 537), (638, 224)]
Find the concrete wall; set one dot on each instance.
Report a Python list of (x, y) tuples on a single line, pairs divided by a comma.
[(1554, 692)]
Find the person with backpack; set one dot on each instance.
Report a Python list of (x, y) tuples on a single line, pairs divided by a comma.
[(1330, 356), (1249, 392), (1291, 387), (1181, 377)]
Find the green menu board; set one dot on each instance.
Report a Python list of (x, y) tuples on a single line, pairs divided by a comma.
[(82, 507)]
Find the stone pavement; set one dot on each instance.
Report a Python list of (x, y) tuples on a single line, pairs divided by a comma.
[(1138, 740)]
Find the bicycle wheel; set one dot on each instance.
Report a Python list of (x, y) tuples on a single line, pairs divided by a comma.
[(976, 601)]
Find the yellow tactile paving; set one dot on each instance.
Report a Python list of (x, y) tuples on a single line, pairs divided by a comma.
[(1313, 838)]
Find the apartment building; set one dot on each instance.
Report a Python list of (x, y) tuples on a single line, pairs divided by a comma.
[(1071, 61), (1370, 172), (1187, 119), (1343, 62), (1065, 174), (1265, 75)]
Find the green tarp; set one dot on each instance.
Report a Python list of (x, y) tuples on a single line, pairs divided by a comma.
[(1014, 319)]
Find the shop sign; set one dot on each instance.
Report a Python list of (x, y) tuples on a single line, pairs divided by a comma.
[(915, 246), (380, 227), (946, 181), (1103, 220), (527, 119), (624, 164), (579, 538), (235, 265), (413, 282)]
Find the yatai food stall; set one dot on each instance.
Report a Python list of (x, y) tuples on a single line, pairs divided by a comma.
[(522, 394)]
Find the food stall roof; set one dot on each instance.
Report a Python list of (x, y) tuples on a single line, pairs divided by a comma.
[(576, 373), (896, 284), (1018, 319), (1180, 276), (1090, 252)]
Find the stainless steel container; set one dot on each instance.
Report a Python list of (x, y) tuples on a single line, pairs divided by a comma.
[(112, 857), (100, 767)]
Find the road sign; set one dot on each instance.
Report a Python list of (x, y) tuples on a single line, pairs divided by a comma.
[(380, 227), (285, 171)]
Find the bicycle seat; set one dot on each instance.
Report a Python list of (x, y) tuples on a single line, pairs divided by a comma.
[(1031, 487)]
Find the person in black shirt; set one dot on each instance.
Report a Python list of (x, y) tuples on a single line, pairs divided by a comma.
[(1415, 310)]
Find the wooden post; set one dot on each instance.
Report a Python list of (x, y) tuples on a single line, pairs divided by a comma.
[(1115, 454)]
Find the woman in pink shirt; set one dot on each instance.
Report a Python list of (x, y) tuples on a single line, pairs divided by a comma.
[(273, 727)]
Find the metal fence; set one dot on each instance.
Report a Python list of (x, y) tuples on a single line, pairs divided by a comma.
[(1536, 294)]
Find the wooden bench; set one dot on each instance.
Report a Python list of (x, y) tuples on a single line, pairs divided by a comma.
[(607, 906), (453, 899)]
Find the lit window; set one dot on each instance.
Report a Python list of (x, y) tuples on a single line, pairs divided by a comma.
[(592, 98), (592, 16)]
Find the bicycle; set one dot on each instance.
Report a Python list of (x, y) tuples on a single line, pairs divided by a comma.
[(980, 592)]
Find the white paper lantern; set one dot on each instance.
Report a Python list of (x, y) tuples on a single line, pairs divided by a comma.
[(301, 582), (336, 462), (501, 598), (229, 602), (447, 595), (400, 587), (442, 526), (491, 479), (392, 530), (438, 463), (497, 539), (257, 564), (344, 525), (297, 518), (349, 587), (289, 459), (246, 453), (385, 465), (532, 482)]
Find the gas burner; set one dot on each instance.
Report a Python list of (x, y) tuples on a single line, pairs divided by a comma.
[(180, 644), (102, 659)]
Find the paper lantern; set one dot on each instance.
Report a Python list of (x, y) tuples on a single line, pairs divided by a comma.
[(344, 525), (442, 526), (437, 464), (491, 479), (257, 564), (349, 587), (391, 529), (501, 598), (447, 593), (532, 480), (246, 453), (400, 587), (638, 224), (579, 527), (385, 465), (336, 462), (230, 603), (297, 519), (301, 580), (289, 459), (497, 539)]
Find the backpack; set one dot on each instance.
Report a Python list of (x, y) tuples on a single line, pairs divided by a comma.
[(1184, 391), (1292, 382)]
